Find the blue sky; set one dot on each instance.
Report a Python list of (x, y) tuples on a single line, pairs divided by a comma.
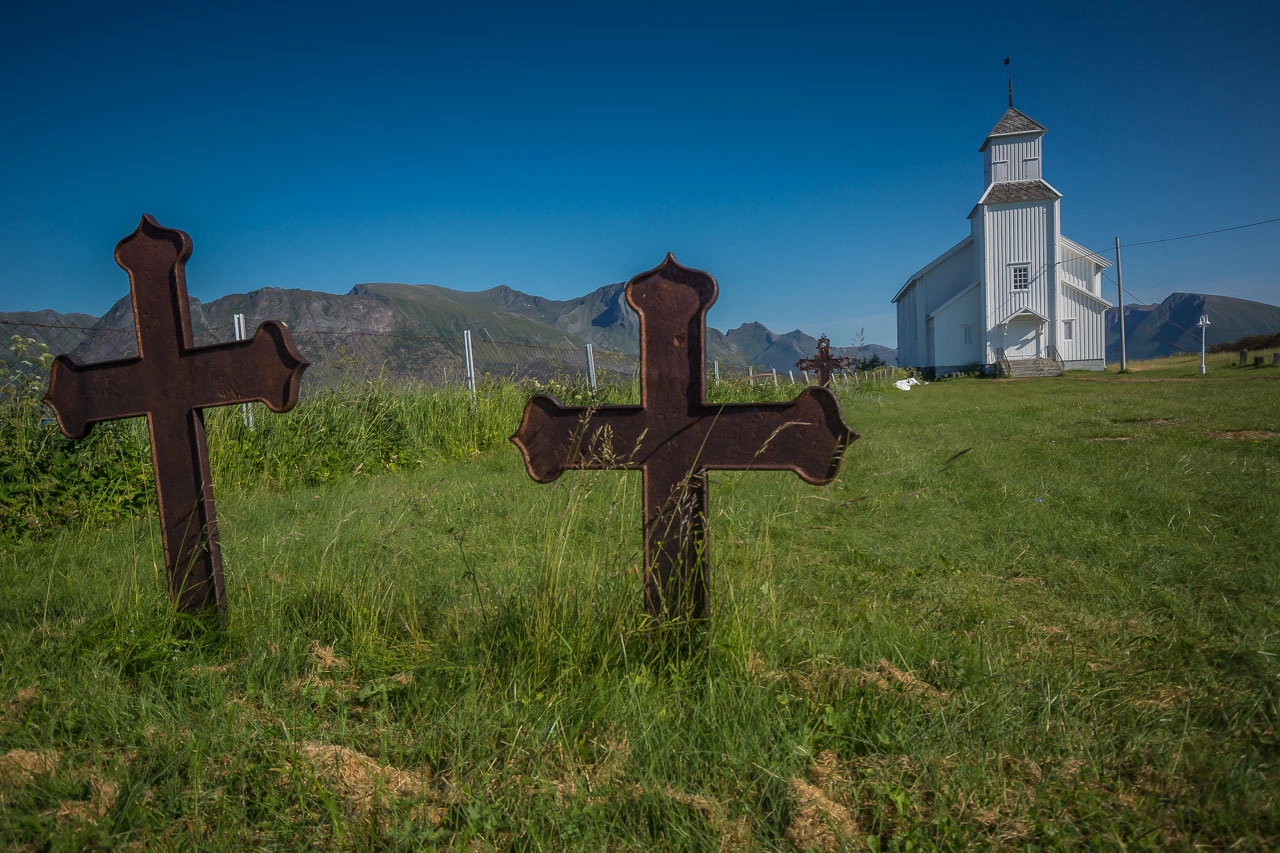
[(810, 156)]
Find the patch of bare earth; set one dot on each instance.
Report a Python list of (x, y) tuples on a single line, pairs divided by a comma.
[(364, 784), (16, 708), (1243, 435), (20, 766), (101, 798), (734, 834)]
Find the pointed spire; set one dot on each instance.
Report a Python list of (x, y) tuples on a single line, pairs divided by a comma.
[(1011, 123)]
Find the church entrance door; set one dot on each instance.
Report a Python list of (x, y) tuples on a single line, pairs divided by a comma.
[(1023, 337)]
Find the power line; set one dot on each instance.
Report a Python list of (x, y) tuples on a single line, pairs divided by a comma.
[(1200, 234)]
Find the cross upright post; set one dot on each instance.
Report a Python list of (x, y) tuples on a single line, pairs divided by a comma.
[(170, 381), (675, 436), (824, 362)]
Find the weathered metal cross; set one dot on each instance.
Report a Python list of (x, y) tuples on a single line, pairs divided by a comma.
[(170, 381), (675, 436), (824, 362)]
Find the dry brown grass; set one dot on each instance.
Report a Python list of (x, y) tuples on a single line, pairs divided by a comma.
[(325, 658), (885, 676), (20, 766), (1165, 697), (1242, 435), (102, 797), (821, 679), (16, 708), (363, 783), (819, 823)]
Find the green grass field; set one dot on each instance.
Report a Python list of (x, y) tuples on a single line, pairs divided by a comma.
[(1030, 615)]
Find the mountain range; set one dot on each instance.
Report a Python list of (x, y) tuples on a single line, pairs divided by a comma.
[(1154, 331), (419, 322), (432, 318)]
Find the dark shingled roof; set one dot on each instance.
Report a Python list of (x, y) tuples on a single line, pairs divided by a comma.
[(1010, 123), (1010, 192)]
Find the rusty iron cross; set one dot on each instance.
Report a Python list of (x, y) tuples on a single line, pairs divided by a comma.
[(170, 382), (675, 436), (824, 362)]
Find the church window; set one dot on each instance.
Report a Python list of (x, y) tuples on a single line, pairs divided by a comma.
[(1000, 171), (968, 335), (1068, 330), (1031, 168), (1021, 277)]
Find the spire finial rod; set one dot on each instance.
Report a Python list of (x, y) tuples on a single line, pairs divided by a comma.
[(1010, 67)]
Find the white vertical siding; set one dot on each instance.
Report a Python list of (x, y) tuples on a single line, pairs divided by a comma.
[(909, 335), (1016, 151), (949, 348), (929, 292), (1090, 327), (1081, 270), (1017, 234)]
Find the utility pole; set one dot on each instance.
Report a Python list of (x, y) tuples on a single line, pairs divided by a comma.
[(1120, 305)]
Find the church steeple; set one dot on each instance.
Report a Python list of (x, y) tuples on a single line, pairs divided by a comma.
[(1012, 123), (1011, 151)]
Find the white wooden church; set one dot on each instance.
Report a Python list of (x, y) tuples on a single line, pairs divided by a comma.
[(1015, 292)]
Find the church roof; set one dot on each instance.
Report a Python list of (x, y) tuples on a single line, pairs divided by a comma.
[(1012, 192), (1011, 123)]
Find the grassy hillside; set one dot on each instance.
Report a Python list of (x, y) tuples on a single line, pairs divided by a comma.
[(1037, 614), (440, 312)]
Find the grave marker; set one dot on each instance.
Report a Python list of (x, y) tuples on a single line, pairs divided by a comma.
[(675, 436), (170, 381), (824, 362)]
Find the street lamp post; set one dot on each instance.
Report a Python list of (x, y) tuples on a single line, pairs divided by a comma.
[(1202, 325)]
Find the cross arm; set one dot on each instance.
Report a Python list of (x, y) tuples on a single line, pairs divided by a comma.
[(266, 368), (806, 435), (81, 395), (553, 437)]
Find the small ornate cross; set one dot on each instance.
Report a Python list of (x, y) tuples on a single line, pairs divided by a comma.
[(169, 382), (675, 436), (824, 362)]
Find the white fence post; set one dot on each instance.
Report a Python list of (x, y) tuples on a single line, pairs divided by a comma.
[(241, 333), (471, 367), (591, 369)]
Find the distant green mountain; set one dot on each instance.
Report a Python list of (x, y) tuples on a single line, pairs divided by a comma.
[(1155, 331), (417, 328)]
